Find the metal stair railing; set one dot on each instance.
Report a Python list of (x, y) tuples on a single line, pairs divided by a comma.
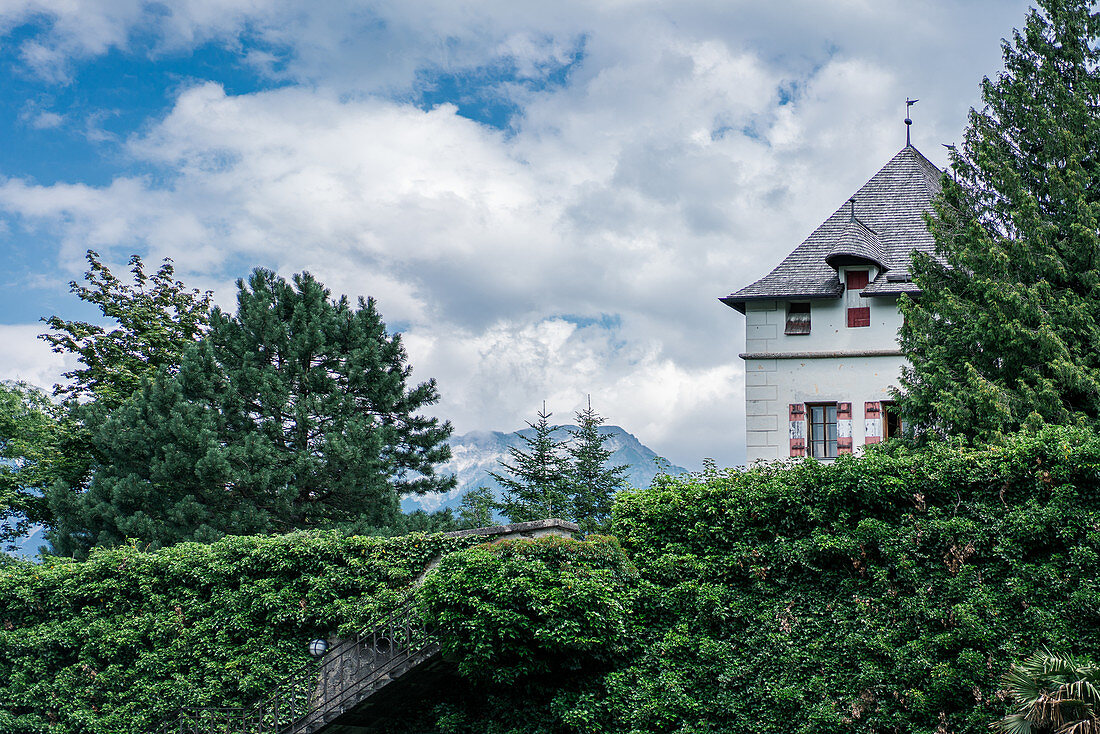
[(316, 694)]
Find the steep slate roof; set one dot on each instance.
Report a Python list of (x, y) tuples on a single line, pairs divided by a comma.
[(888, 226)]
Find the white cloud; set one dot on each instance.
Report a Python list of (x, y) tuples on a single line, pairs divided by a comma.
[(25, 358)]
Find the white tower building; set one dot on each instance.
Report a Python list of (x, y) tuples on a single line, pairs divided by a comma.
[(821, 349)]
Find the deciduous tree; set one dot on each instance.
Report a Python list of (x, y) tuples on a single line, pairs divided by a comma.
[(478, 507), (156, 318)]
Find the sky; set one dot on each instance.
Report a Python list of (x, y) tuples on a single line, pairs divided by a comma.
[(546, 199)]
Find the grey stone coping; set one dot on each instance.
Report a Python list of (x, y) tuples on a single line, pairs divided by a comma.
[(534, 528)]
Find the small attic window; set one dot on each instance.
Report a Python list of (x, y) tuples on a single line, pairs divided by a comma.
[(858, 314), (798, 319)]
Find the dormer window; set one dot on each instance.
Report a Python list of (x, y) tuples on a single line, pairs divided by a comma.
[(798, 319), (858, 313)]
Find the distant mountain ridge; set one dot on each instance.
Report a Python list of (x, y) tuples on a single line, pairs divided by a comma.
[(475, 454)]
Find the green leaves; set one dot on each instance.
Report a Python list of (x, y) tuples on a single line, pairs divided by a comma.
[(568, 479), (524, 608), (114, 644), (887, 592), (156, 317), (536, 482)]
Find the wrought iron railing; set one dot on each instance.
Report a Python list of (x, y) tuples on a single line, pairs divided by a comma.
[(316, 694)]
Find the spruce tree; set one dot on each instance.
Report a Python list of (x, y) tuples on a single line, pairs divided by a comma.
[(593, 484), (1005, 330), (535, 483), (292, 413)]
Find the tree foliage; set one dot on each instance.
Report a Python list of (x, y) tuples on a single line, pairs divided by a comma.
[(1053, 692), (1005, 330), (294, 412), (156, 318), (36, 451), (46, 445), (567, 477), (593, 483), (477, 509), (115, 644), (883, 593), (535, 482)]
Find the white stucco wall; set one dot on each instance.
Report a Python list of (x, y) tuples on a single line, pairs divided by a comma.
[(775, 382)]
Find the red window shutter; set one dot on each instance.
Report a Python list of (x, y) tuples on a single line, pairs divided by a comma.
[(857, 279), (872, 413), (844, 428), (797, 418), (859, 316)]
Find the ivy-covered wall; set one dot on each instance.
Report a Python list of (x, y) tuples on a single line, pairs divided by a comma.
[(886, 593), (115, 643)]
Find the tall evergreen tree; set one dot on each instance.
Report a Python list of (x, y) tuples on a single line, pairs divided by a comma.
[(535, 486), (1006, 328), (292, 413), (593, 483)]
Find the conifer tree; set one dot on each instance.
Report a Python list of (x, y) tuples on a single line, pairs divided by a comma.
[(535, 483), (292, 413), (593, 484), (1006, 329)]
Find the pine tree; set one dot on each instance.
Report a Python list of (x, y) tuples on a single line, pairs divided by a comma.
[(292, 413), (535, 483), (1006, 328), (593, 484)]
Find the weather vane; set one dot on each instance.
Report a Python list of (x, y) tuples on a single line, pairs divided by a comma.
[(908, 121)]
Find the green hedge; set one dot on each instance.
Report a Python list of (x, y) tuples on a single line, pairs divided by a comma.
[(886, 593), (116, 643)]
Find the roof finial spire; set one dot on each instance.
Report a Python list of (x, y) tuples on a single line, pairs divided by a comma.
[(852, 213), (908, 121)]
